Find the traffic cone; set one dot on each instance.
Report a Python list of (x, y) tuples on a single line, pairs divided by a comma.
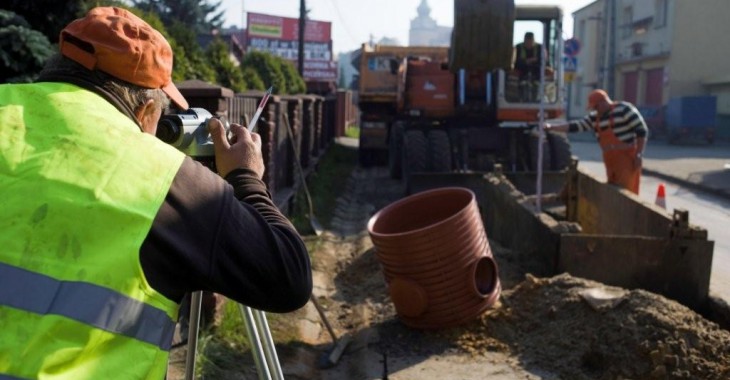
[(661, 196)]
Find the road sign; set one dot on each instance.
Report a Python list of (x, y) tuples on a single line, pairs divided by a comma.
[(572, 47), (568, 76), (570, 64)]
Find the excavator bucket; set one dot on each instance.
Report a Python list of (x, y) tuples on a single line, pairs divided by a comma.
[(482, 35)]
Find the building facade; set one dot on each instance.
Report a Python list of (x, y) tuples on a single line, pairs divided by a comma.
[(425, 31), (650, 51)]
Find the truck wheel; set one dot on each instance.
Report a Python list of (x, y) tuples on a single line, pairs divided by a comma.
[(439, 151), (415, 149), (559, 150), (533, 145), (395, 151)]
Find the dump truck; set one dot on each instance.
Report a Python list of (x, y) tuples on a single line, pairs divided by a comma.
[(464, 107), (466, 121), (379, 92)]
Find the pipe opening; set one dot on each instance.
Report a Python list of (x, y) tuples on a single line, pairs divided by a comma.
[(485, 276), (421, 210)]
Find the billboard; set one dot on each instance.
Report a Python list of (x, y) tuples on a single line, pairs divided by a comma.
[(280, 36)]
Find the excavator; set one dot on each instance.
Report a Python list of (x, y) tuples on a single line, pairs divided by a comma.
[(463, 107)]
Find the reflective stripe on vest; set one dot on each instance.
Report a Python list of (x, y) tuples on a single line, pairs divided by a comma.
[(87, 303)]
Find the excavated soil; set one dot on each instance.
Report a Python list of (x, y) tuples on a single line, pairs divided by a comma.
[(551, 328)]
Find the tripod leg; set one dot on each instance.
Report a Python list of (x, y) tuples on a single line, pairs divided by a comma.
[(262, 368), (196, 300), (268, 342)]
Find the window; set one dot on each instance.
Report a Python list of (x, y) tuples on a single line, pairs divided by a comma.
[(636, 49), (661, 10)]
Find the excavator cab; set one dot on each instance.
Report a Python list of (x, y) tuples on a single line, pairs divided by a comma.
[(519, 91)]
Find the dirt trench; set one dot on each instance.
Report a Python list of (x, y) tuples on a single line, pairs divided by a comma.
[(542, 328)]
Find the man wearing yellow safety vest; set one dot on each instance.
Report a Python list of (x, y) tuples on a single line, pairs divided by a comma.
[(527, 57), (105, 228), (621, 133)]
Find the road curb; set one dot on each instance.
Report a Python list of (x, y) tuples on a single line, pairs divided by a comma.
[(693, 185)]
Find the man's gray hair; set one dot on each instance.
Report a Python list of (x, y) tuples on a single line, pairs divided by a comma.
[(131, 95)]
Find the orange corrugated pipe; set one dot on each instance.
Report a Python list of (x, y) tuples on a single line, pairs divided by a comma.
[(436, 258)]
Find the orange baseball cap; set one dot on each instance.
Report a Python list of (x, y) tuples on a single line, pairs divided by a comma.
[(595, 97), (117, 42)]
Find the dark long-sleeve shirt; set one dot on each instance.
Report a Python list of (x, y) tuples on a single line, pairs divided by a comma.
[(227, 237), (627, 123)]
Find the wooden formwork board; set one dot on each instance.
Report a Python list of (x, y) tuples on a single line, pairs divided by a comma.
[(677, 269)]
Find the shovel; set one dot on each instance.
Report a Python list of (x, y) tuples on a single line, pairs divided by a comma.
[(329, 359), (316, 226)]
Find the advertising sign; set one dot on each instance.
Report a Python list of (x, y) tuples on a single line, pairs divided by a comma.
[(280, 36)]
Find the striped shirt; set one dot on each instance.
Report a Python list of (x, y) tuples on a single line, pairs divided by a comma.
[(627, 123)]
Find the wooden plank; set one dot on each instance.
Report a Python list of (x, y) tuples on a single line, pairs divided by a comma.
[(677, 269)]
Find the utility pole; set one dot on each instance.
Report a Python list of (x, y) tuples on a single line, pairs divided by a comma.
[(302, 26)]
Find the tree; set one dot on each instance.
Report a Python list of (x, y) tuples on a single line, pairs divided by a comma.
[(23, 51), (196, 65), (274, 71), (186, 64), (294, 82), (268, 69), (47, 16), (252, 79), (198, 15), (226, 73)]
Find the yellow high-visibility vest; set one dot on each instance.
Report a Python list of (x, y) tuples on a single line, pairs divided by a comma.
[(80, 185)]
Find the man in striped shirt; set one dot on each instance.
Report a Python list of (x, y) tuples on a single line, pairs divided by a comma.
[(621, 133)]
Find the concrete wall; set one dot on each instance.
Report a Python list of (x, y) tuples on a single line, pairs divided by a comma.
[(655, 38), (689, 44), (699, 45)]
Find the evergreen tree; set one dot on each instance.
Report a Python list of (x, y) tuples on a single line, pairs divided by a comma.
[(23, 50), (186, 65), (252, 79), (268, 69), (226, 73), (294, 82), (48, 17), (196, 63), (201, 16)]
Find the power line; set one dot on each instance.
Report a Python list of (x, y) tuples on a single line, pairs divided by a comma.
[(344, 24)]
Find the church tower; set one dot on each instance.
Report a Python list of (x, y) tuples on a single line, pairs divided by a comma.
[(425, 31)]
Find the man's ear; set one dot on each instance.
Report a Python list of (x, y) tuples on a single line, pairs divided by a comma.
[(143, 109)]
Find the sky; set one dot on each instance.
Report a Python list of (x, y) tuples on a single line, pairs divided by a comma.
[(355, 21)]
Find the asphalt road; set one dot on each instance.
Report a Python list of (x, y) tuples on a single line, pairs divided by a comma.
[(705, 210)]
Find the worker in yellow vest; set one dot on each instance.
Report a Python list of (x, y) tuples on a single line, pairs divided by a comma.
[(105, 228), (527, 57)]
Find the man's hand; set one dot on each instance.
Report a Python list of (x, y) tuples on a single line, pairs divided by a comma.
[(242, 152), (638, 160)]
